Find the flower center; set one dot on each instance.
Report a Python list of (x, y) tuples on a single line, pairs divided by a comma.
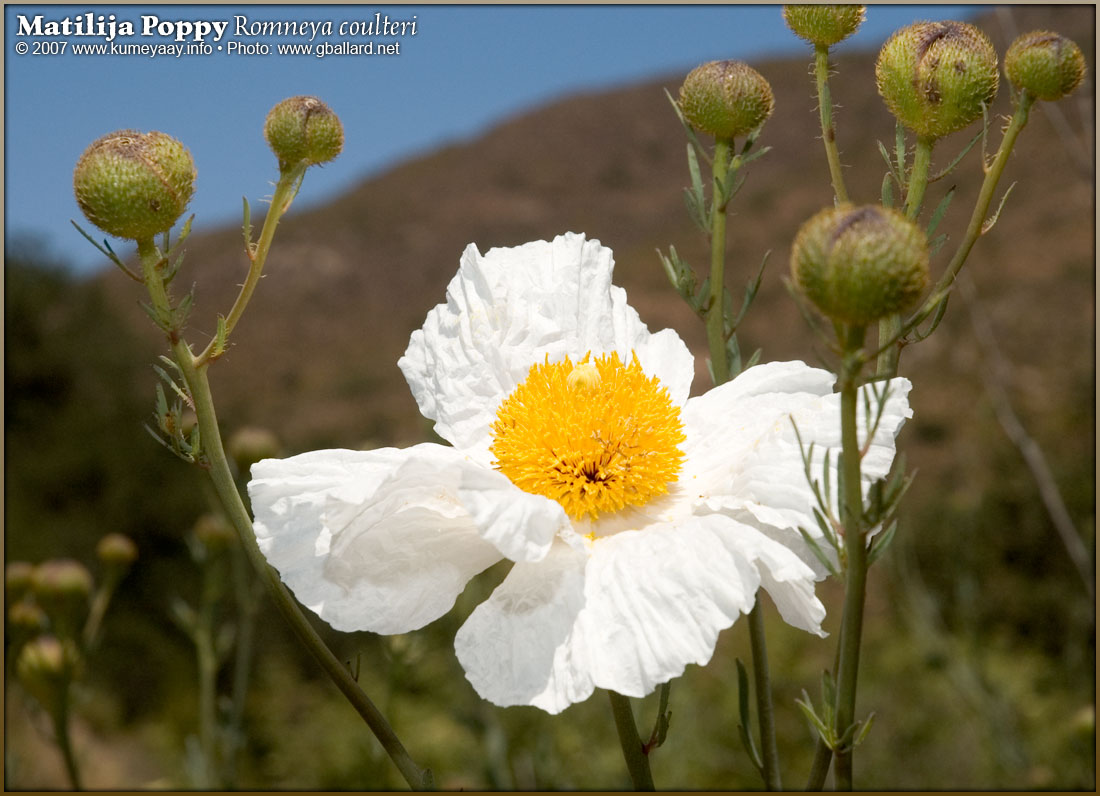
[(595, 436)]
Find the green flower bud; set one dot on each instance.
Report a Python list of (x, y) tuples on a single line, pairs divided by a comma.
[(45, 667), (26, 617), (116, 550), (61, 578), (859, 264), (936, 76), (134, 185), (1046, 64), (249, 445), (726, 99), (62, 587), (17, 579), (303, 128), (824, 25)]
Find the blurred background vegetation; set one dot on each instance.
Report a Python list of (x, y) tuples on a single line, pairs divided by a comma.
[(979, 659)]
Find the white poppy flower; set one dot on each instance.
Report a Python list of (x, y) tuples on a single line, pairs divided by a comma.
[(641, 522)]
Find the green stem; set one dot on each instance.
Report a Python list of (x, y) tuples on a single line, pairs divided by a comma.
[(888, 327), (633, 752), (828, 131), (855, 553), (918, 177), (247, 601), (985, 196), (64, 740), (716, 310), (823, 753), (98, 611), (764, 709), (207, 659), (716, 342), (285, 191), (217, 466)]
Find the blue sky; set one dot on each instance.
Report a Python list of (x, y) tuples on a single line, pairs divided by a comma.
[(465, 69)]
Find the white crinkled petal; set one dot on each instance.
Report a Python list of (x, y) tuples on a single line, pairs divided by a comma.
[(772, 484), (385, 540), (516, 647), (628, 614), (784, 575), (745, 459), (724, 427), (509, 309), (656, 600)]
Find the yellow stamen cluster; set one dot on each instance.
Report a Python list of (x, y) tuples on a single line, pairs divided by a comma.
[(595, 436)]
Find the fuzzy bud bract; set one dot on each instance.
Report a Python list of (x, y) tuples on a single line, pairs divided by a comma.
[(824, 25), (935, 77), (860, 264), (726, 99), (134, 185), (1048, 65), (303, 129)]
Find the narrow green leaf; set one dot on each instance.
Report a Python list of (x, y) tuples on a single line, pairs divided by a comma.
[(886, 156), (936, 244), (246, 225), (864, 730), (106, 251), (955, 162), (881, 542), (742, 692), (899, 150), (819, 554), (220, 337), (753, 359), (828, 694), (887, 190), (816, 724), (991, 222), (940, 211)]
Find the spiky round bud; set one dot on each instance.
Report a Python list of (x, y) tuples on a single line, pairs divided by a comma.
[(859, 264), (116, 550), (250, 444), (726, 99), (935, 77), (303, 129), (44, 667), (134, 185), (824, 25), (1048, 65)]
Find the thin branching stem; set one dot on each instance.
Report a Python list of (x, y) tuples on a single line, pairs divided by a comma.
[(285, 191), (828, 129), (217, 466)]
